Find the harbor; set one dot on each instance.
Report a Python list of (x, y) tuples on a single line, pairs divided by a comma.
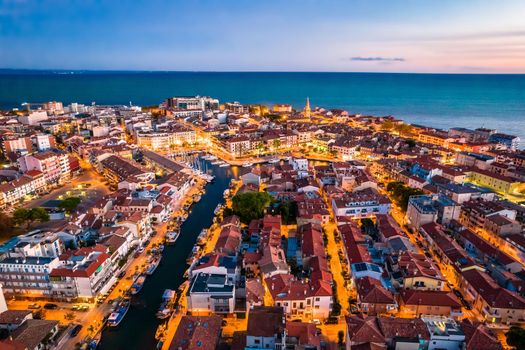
[(142, 320)]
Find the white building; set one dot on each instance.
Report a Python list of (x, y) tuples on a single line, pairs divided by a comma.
[(28, 276), (361, 204), (211, 293), (33, 118)]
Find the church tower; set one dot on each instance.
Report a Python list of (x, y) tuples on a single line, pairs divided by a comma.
[(307, 109)]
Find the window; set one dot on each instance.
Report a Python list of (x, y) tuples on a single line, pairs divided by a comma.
[(317, 299)]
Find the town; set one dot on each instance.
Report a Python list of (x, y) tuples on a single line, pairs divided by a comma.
[(258, 227)]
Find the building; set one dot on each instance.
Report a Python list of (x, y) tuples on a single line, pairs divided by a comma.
[(510, 141), (211, 293), (266, 327), (45, 142), (178, 135), (361, 204), (33, 118), (32, 335), (431, 208), (13, 192), (416, 303), (197, 333), (16, 146), (82, 273), (497, 182), (55, 165), (28, 276), (116, 169)]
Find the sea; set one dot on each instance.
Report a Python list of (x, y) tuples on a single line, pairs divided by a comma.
[(437, 100)]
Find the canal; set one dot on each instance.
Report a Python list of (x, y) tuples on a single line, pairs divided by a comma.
[(137, 330)]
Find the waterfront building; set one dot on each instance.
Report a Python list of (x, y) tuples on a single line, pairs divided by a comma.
[(28, 276), (510, 141), (197, 333), (211, 293), (82, 273)]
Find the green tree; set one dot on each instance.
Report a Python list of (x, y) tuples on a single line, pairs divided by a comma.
[(69, 204), (401, 193), (288, 211), (7, 227), (70, 316), (516, 337), (250, 205), (29, 216)]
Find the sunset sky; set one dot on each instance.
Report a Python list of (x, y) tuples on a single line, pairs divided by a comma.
[(471, 36)]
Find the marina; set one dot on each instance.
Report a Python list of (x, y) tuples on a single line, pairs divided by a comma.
[(141, 321)]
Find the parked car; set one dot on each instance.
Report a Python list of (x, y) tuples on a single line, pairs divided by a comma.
[(33, 306), (50, 306), (75, 330)]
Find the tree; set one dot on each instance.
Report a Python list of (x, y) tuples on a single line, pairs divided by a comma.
[(69, 204), (288, 211), (403, 129), (401, 193), (340, 338), (70, 316), (7, 227), (29, 216), (516, 337), (250, 205)]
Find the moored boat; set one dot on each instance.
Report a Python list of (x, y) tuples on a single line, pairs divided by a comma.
[(138, 284), (166, 306), (118, 314), (150, 269), (171, 237)]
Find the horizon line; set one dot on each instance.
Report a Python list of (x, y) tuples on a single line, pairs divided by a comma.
[(242, 71)]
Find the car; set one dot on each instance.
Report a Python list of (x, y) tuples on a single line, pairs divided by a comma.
[(121, 274), (75, 307), (50, 306), (75, 330), (33, 306), (84, 308)]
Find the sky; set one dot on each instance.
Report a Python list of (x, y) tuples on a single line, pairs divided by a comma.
[(449, 36)]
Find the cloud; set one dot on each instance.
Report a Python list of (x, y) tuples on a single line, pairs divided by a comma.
[(377, 59)]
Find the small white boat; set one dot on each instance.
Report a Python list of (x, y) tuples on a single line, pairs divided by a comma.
[(171, 237), (247, 164), (166, 306), (274, 160), (226, 193), (212, 157), (225, 165), (217, 162), (197, 198)]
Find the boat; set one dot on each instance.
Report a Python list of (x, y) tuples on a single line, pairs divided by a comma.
[(161, 248), (197, 198), (166, 306), (118, 314), (217, 209), (202, 236), (150, 269), (93, 343), (138, 284), (247, 164), (226, 192), (212, 157), (274, 160), (171, 237), (224, 165)]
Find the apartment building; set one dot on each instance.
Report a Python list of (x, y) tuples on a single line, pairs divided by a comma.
[(361, 204), (28, 276), (53, 164), (211, 293), (14, 191), (438, 208), (82, 273)]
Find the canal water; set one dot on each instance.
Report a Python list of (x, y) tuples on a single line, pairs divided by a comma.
[(137, 330)]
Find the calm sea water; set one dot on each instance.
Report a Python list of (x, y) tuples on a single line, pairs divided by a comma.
[(438, 100)]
